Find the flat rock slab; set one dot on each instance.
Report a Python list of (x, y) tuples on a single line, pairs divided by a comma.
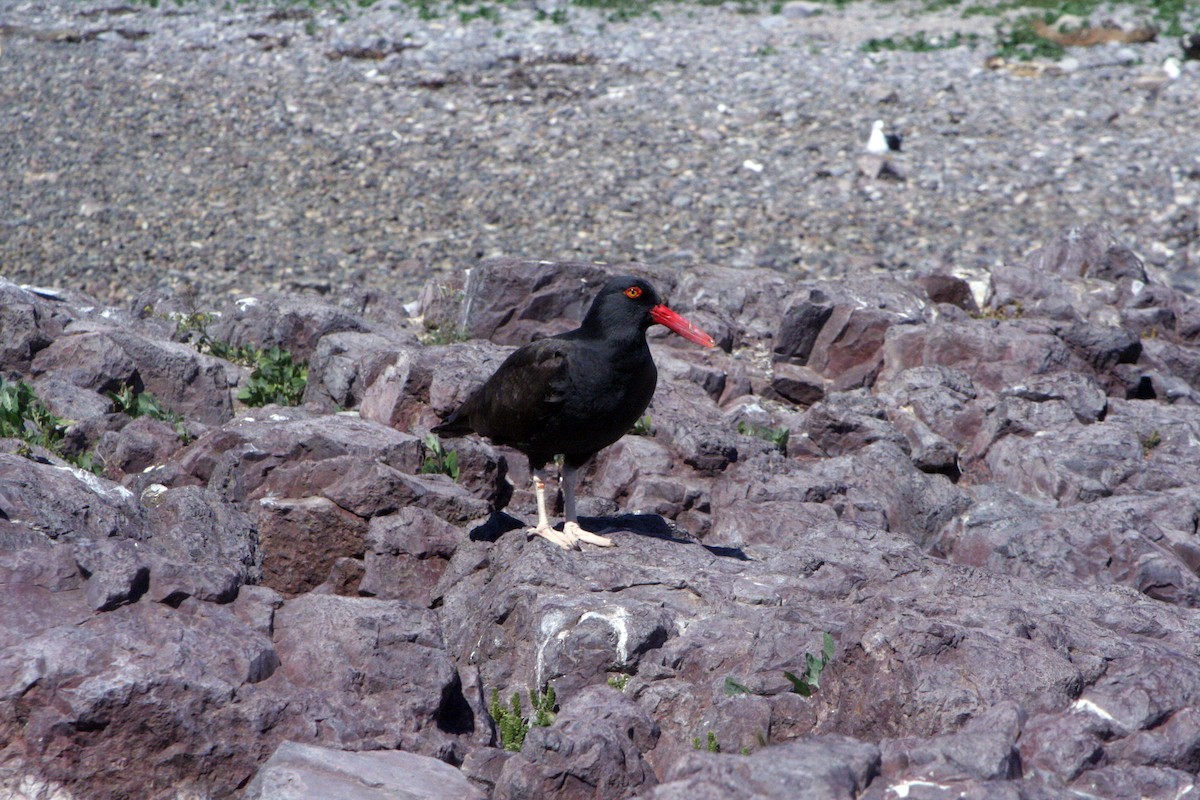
[(306, 772)]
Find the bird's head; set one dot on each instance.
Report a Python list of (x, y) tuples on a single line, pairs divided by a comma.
[(626, 303)]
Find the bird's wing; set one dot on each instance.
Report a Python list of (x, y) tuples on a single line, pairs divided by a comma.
[(527, 389)]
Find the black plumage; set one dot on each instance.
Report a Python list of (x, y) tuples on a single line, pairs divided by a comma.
[(575, 393)]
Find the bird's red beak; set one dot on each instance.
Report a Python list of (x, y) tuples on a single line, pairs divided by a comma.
[(676, 322)]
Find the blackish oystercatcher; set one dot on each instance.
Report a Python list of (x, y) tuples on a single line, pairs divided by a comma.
[(574, 394)]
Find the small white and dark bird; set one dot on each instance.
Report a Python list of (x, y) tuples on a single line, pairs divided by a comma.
[(574, 394), (881, 143)]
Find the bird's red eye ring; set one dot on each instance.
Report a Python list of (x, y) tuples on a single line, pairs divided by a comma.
[(633, 292)]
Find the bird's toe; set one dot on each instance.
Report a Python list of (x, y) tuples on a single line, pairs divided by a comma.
[(560, 538), (582, 535)]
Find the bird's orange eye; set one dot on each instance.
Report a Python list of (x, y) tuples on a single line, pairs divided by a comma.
[(633, 292)]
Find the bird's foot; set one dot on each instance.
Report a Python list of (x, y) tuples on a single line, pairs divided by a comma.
[(573, 529), (560, 538)]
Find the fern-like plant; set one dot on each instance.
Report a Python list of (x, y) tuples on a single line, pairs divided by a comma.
[(510, 719)]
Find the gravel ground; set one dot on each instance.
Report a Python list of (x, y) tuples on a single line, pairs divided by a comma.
[(237, 150)]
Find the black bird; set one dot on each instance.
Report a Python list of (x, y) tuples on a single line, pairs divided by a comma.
[(575, 393)]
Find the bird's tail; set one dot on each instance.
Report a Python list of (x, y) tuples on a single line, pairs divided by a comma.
[(456, 424)]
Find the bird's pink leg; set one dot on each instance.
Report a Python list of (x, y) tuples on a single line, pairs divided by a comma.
[(571, 527), (543, 529)]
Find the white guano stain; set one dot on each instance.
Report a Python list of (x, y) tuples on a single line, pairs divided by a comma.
[(617, 618), (904, 787), (96, 485), (553, 625), (1087, 706)]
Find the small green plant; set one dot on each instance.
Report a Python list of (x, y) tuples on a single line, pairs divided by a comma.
[(732, 687), (543, 707), (275, 379), (643, 427), (482, 11), (145, 404), (710, 743), (192, 327), (558, 16), (1019, 40), (1150, 442), (1011, 309), (918, 43), (810, 681), (766, 50), (24, 416), (242, 354), (438, 460), (436, 336), (776, 436), (618, 681), (510, 720)]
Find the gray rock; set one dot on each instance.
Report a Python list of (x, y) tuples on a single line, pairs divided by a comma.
[(192, 385), (406, 554), (28, 324), (593, 750), (511, 301), (344, 364), (237, 458), (983, 756), (145, 442), (1088, 252), (800, 326), (824, 767), (1006, 500), (995, 356), (1141, 541), (796, 384), (377, 667), (295, 324), (849, 421), (302, 539), (301, 771), (56, 501), (89, 360)]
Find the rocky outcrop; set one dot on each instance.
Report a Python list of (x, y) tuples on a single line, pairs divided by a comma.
[(985, 499)]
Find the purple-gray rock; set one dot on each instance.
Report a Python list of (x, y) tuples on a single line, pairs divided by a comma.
[(295, 324), (302, 771), (990, 515), (593, 751), (825, 767)]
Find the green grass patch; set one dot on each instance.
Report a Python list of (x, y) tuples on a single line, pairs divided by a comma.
[(275, 379), (920, 43), (1018, 40)]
